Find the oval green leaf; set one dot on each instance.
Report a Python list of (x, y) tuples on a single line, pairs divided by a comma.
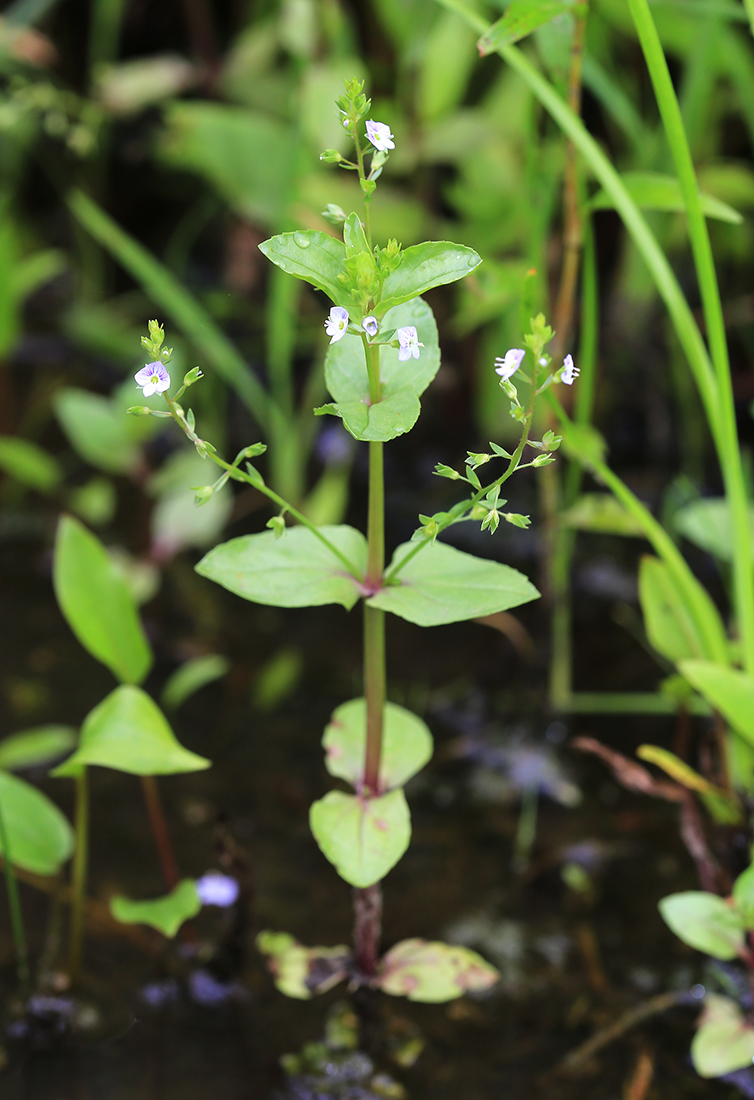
[(38, 746), (296, 570), (707, 523), (166, 914), (520, 19), (300, 971), (727, 690), (654, 191), (97, 430), (313, 256), (444, 585), (406, 744), (706, 922), (192, 676), (725, 1039), (671, 627), (424, 266), (362, 837), (40, 838), (433, 972), (128, 731), (31, 465), (97, 603)]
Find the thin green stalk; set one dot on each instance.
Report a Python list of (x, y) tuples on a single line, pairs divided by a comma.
[(79, 875), (631, 702), (286, 456), (729, 452), (14, 906), (375, 690), (527, 829)]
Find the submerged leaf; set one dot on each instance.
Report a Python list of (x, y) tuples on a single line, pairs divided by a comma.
[(406, 744), (725, 1039), (362, 837), (166, 914), (301, 972), (433, 972)]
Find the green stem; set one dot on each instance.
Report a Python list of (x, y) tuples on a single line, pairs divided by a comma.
[(14, 905), (726, 438), (79, 875), (362, 178)]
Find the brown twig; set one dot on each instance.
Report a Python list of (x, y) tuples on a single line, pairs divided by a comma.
[(637, 1086), (580, 1057), (160, 833), (632, 776)]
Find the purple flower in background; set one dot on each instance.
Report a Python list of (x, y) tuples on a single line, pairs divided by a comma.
[(370, 326), (216, 889), (380, 136), (507, 366), (409, 343), (337, 323), (570, 373), (153, 378)]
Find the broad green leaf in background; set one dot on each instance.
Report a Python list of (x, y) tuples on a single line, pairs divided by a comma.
[(447, 61), (30, 464), (433, 972), (670, 626), (423, 266), (38, 746), (128, 731), (727, 690), (300, 971), (97, 604), (706, 922), (725, 1039), (192, 676), (743, 893), (166, 914), (176, 521), (296, 570), (39, 836), (277, 678), (97, 430), (362, 837), (406, 744), (707, 523), (653, 191), (131, 86), (444, 585), (521, 18), (602, 514), (313, 256), (95, 501)]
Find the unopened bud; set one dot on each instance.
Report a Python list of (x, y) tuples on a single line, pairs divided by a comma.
[(139, 410), (192, 376), (202, 494), (330, 156)]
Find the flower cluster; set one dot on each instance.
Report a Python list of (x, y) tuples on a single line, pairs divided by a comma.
[(507, 365)]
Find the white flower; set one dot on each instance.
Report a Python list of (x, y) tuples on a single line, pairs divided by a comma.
[(370, 326), (153, 378), (508, 366), (217, 889), (409, 343), (380, 136), (337, 323), (569, 373)]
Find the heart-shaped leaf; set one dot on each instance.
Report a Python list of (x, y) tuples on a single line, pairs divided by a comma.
[(444, 585), (313, 256), (725, 1039), (362, 837), (433, 972), (40, 838), (424, 266), (706, 922), (128, 731), (406, 744), (97, 603), (166, 914), (296, 570)]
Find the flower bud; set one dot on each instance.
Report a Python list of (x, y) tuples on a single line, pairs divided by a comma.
[(202, 494), (139, 410), (330, 156), (334, 214), (192, 376)]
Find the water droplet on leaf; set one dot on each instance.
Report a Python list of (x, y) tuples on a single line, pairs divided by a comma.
[(301, 240)]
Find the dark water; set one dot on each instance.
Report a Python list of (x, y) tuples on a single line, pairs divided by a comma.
[(571, 962)]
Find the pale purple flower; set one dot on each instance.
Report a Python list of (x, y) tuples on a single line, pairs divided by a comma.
[(507, 366), (380, 136), (570, 373), (153, 378), (409, 343), (370, 326), (215, 888), (337, 323)]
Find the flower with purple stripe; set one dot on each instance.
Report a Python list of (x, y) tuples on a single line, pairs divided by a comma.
[(153, 378)]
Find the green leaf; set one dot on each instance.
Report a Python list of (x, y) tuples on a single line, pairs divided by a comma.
[(97, 430), (670, 626), (37, 746), (128, 731), (402, 383), (653, 191), (294, 571), (354, 237), (727, 690), (444, 585), (39, 837), (707, 523), (166, 914), (192, 676), (521, 18), (725, 1039), (724, 808), (406, 744), (433, 972), (362, 837), (422, 267), (706, 922), (31, 465), (97, 603), (176, 521), (300, 971), (277, 678), (743, 893), (602, 514), (313, 256)]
